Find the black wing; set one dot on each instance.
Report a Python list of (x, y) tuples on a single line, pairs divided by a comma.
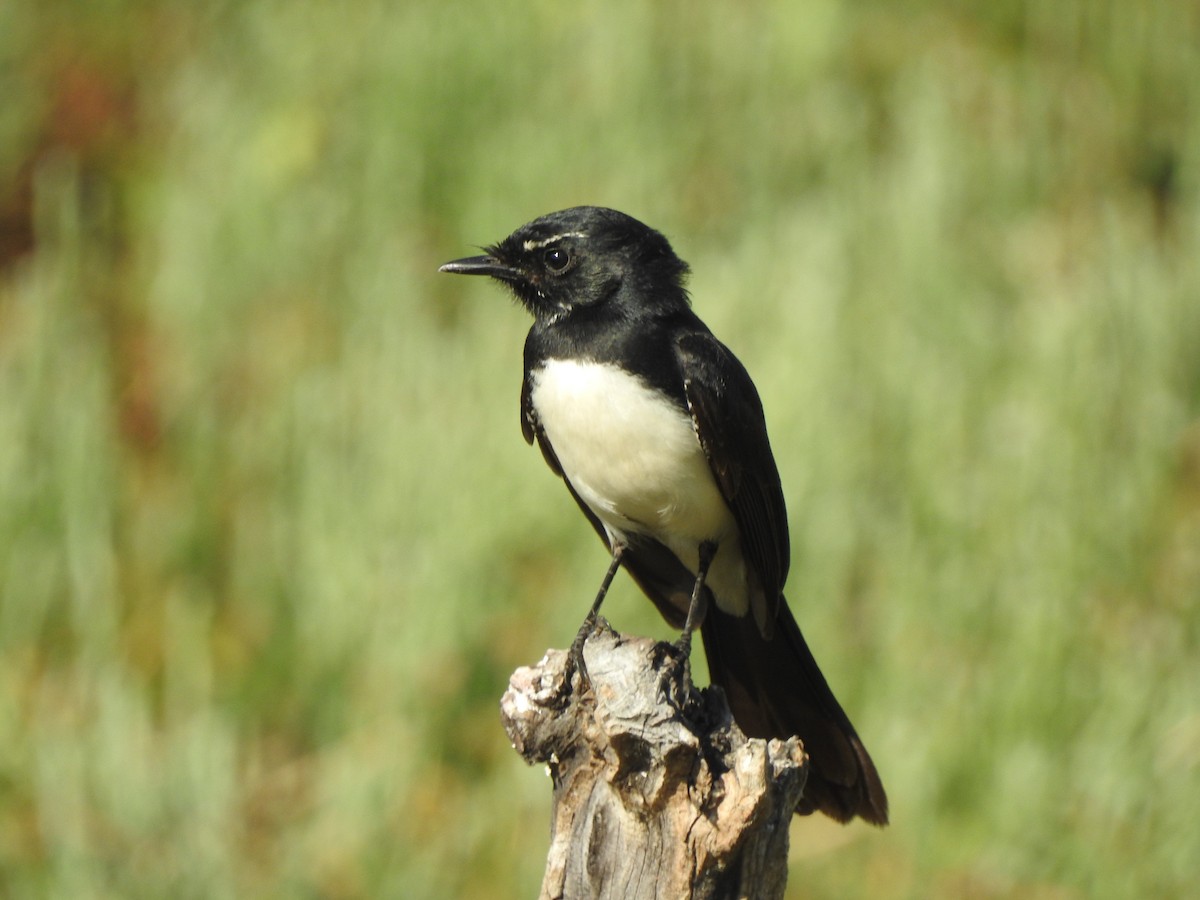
[(728, 417)]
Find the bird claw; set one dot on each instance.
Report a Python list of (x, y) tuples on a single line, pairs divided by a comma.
[(676, 673), (575, 663)]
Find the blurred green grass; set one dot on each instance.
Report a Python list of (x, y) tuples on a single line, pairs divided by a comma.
[(258, 594)]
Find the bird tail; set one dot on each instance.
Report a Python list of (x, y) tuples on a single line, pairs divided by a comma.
[(775, 690)]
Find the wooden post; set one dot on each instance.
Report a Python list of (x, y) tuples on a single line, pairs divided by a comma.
[(655, 796)]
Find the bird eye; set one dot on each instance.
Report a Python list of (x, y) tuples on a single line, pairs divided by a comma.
[(557, 259)]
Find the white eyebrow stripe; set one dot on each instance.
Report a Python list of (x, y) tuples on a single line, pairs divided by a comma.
[(534, 245)]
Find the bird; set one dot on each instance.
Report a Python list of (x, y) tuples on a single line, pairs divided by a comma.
[(658, 432)]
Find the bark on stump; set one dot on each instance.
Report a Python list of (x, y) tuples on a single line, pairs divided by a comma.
[(655, 795)]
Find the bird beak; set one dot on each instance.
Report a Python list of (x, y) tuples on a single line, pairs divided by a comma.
[(480, 265)]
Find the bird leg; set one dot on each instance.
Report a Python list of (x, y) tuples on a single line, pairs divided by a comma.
[(699, 605), (575, 661), (681, 657)]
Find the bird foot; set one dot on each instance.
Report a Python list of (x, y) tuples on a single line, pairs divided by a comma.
[(575, 662), (676, 672)]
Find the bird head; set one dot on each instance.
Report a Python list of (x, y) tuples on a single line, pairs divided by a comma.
[(582, 258)]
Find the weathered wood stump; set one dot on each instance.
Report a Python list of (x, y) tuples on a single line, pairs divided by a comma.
[(655, 795)]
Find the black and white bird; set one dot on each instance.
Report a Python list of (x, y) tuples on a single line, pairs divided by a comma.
[(658, 433)]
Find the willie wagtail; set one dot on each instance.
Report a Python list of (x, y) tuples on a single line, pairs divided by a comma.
[(658, 432)]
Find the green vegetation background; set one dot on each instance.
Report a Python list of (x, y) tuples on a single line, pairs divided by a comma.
[(270, 542)]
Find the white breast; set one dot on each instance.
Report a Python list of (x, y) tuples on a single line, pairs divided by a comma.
[(634, 459)]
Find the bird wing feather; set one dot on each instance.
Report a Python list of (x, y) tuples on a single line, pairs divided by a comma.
[(728, 419)]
